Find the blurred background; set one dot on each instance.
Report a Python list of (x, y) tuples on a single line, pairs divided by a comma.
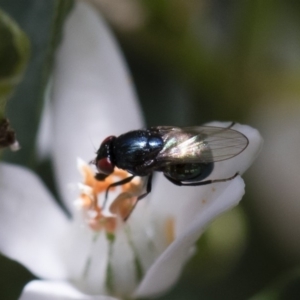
[(195, 61)]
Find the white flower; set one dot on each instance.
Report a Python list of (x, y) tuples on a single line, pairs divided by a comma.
[(93, 98)]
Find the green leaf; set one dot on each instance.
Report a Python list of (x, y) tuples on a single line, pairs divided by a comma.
[(14, 54), (43, 22)]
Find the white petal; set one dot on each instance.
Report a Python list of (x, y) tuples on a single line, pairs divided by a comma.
[(193, 208), (92, 91), (223, 169), (31, 224), (185, 203), (55, 290), (123, 265), (85, 258), (166, 269), (44, 141)]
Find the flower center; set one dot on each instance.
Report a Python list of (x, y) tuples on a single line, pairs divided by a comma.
[(98, 213)]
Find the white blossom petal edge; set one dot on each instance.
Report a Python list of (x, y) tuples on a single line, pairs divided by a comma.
[(56, 290), (167, 268), (30, 222), (193, 209), (93, 95)]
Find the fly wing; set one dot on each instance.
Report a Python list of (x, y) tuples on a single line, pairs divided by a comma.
[(201, 144)]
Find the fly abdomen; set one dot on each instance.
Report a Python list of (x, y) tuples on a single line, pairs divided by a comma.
[(189, 172)]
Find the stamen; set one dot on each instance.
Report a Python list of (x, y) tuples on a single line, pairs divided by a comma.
[(92, 190)]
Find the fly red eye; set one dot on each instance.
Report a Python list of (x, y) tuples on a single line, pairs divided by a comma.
[(108, 140), (105, 166)]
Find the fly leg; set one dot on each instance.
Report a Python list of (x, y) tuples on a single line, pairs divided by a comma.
[(148, 190), (100, 176), (231, 125), (180, 183), (121, 182)]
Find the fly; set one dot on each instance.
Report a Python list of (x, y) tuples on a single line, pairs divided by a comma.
[(185, 155)]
